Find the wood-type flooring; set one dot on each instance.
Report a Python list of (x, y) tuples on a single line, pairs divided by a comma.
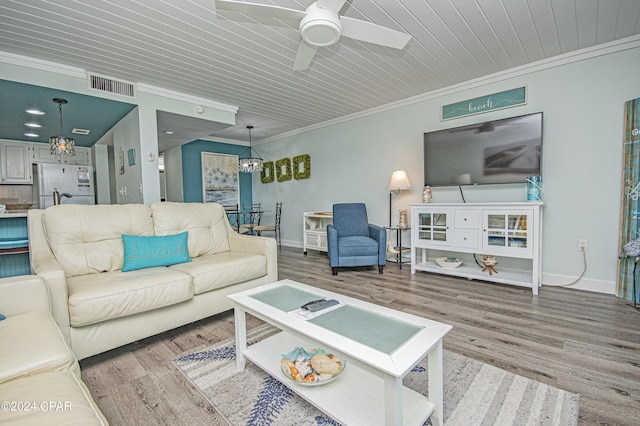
[(583, 342)]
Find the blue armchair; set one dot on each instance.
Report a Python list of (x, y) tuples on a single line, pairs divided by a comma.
[(353, 241)]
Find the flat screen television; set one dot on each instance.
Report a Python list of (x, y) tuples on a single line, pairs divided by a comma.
[(493, 152)]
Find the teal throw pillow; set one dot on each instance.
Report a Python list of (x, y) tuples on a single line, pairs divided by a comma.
[(149, 251), (2, 317)]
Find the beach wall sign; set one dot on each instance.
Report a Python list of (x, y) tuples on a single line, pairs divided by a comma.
[(500, 100)]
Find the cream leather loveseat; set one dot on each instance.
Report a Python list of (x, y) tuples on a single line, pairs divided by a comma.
[(39, 375), (78, 251)]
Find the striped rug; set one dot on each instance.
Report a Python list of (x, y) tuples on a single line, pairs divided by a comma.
[(474, 393)]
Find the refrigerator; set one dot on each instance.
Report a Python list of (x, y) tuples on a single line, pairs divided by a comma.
[(74, 184)]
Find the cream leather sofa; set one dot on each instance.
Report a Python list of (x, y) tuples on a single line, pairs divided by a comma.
[(39, 375), (78, 251)]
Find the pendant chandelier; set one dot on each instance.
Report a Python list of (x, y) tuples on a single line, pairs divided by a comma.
[(60, 145), (250, 164)]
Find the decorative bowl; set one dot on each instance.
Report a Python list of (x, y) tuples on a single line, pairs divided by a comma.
[(448, 262), (303, 360)]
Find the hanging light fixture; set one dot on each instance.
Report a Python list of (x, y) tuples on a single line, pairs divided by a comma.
[(250, 164), (60, 145)]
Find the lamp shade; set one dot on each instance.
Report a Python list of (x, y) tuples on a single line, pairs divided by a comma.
[(399, 180)]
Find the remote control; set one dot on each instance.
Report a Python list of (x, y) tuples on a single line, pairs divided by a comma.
[(320, 304)]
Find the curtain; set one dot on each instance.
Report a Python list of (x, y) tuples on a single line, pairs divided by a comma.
[(630, 209)]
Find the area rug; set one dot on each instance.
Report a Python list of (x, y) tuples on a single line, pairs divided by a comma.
[(474, 393)]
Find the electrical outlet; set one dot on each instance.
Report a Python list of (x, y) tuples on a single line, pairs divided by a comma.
[(583, 245)]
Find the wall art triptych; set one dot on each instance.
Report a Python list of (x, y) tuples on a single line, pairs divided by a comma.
[(282, 170)]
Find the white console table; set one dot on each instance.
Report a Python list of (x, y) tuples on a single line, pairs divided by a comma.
[(499, 229)]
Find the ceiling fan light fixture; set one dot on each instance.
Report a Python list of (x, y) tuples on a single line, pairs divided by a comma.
[(319, 31), (250, 164), (59, 145), (320, 28)]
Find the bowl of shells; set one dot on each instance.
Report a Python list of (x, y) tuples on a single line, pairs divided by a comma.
[(311, 367), (448, 262)]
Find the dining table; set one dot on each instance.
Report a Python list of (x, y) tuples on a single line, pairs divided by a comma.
[(243, 221)]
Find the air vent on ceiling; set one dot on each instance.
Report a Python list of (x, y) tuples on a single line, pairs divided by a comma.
[(80, 131), (111, 85)]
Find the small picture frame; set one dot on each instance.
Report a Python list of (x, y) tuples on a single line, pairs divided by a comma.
[(131, 154)]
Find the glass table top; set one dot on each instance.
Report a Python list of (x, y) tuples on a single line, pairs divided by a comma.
[(380, 332)]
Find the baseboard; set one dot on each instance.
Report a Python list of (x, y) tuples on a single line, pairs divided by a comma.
[(289, 243), (587, 284)]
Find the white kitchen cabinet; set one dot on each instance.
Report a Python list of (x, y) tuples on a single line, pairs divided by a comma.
[(42, 154), (15, 163), (315, 230), (499, 229)]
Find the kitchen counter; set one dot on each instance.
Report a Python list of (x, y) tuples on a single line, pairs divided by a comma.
[(13, 213)]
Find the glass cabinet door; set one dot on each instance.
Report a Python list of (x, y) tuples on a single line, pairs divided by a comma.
[(508, 230), (433, 227)]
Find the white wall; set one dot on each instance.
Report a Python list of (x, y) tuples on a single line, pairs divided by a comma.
[(582, 98), (126, 136), (100, 159), (173, 174)]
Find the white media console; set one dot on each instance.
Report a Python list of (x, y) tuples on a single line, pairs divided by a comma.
[(500, 229)]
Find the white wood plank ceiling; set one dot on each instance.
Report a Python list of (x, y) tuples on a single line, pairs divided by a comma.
[(246, 61)]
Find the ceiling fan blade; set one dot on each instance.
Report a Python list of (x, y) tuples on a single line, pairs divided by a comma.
[(331, 5), (373, 33), (260, 9), (304, 57)]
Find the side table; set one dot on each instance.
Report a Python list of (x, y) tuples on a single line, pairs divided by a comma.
[(398, 250)]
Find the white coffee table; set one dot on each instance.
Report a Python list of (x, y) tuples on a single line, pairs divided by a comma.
[(380, 346)]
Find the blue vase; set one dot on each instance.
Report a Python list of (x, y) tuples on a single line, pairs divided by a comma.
[(534, 188)]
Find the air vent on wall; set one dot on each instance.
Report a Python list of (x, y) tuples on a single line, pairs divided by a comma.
[(111, 85)]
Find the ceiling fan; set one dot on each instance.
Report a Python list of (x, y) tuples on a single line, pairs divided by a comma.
[(321, 26)]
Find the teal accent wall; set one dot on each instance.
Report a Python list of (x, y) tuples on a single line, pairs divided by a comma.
[(88, 112), (192, 169)]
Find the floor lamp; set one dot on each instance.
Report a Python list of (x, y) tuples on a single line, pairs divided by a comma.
[(399, 181)]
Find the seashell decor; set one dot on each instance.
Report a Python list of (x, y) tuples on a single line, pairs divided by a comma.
[(489, 263)]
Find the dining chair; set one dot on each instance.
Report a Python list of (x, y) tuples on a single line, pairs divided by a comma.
[(251, 214), (233, 214), (274, 228)]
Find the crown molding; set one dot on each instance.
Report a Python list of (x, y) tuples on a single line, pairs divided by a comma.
[(225, 140), (627, 43), (40, 64)]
